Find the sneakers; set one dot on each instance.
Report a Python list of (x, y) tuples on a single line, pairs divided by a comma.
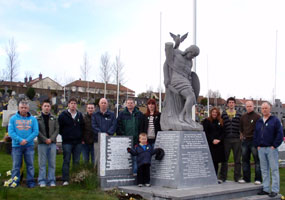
[(220, 181), (257, 183), (42, 185), (147, 185), (52, 185), (241, 181), (140, 185), (65, 183)]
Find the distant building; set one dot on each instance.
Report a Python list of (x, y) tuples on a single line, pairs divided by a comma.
[(92, 89)]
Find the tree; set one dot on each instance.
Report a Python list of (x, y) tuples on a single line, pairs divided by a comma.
[(214, 94), (12, 60), (204, 101), (31, 93), (85, 68), (118, 72), (105, 70)]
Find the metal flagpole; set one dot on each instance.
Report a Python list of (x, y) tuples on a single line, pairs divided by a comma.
[(275, 67), (208, 101), (160, 65), (118, 83), (194, 42)]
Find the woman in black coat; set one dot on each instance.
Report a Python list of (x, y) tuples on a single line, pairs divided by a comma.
[(151, 121), (213, 127)]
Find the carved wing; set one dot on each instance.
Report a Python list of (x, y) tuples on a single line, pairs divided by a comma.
[(172, 35), (184, 37)]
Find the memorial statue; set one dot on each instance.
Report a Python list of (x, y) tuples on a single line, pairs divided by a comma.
[(182, 89)]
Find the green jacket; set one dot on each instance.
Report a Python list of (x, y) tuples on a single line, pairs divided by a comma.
[(53, 129), (130, 124)]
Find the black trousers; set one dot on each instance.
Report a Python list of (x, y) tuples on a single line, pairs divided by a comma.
[(144, 174)]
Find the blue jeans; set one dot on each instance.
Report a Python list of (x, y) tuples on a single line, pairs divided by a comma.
[(17, 156), (88, 152), (47, 153), (269, 161), (247, 148), (68, 149)]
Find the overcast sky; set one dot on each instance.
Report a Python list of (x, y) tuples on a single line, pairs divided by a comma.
[(237, 40)]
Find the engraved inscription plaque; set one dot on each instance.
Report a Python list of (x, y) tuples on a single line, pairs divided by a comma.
[(187, 161)]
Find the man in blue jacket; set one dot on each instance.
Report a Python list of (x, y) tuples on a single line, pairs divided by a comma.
[(267, 137), (71, 125), (23, 128), (103, 121)]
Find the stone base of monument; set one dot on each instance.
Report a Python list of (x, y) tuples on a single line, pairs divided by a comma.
[(227, 190), (187, 161), (115, 163)]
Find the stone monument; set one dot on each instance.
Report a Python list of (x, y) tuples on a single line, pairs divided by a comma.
[(182, 89), (115, 163), (11, 110), (187, 161)]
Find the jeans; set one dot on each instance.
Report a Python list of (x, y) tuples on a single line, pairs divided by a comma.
[(47, 153), (235, 145), (135, 165), (87, 152), (247, 148), (17, 156), (269, 160), (68, 149)]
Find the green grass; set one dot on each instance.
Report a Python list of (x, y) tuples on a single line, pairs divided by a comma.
[(73, 191), (2, 130)]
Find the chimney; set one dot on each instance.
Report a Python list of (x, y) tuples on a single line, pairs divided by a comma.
[(40, 76), (30, 79), (26, 79)]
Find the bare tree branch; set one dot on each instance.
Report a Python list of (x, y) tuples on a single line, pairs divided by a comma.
[(85, 68), (118, 70), (105, 68), (12, 60)]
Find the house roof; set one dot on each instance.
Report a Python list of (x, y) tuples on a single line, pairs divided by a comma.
[(93, 84)]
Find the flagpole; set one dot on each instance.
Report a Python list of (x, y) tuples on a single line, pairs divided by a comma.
[(160, 22), (194, 42)]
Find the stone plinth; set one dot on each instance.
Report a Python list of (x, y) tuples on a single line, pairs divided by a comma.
[(187, 161)]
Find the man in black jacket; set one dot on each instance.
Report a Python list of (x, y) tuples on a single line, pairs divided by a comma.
[(232, 140), (71, 125), (88, 135)]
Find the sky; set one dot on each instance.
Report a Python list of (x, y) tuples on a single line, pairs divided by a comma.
[(237, 41)]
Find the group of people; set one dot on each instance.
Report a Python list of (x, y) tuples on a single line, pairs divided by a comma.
[(246, 135), (79, 134)]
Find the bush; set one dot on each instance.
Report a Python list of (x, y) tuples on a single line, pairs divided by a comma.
[(31, 93)]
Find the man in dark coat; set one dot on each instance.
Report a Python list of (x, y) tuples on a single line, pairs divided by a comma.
[(71, 125)]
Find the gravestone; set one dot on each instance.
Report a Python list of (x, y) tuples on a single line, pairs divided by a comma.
[(11, 110), (281, 150), (187, 161), (115, 163), (33, 107)]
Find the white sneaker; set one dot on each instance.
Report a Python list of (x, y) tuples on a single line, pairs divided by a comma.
[(257, 183), (42, 185), (65, 183), (241, 181), (140, 185), (52, 185), (147, 185)]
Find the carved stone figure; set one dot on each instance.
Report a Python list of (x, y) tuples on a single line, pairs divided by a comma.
[(182, 89)]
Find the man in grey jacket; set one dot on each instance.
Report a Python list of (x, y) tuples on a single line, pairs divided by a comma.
[(48, 131)]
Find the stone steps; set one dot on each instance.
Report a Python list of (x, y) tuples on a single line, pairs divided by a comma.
[(227, 190)]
